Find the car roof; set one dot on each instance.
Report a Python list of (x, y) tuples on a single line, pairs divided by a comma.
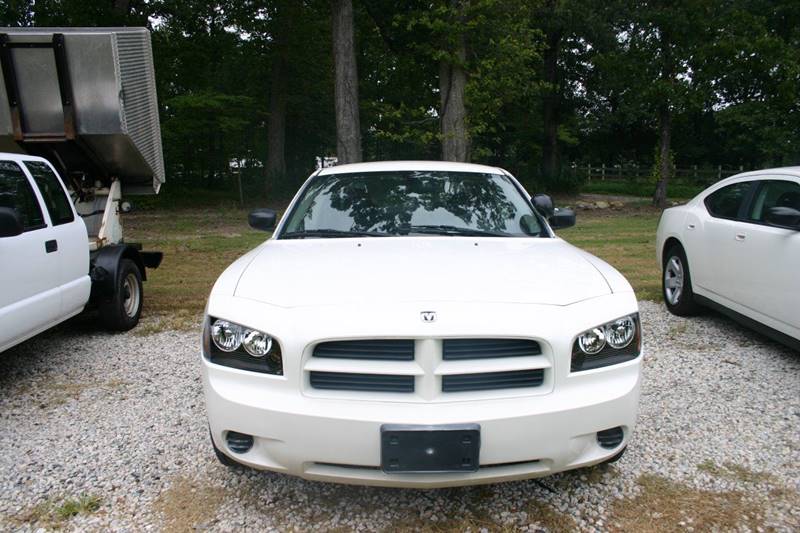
[(9, 156), (384, 166), (790, 171)]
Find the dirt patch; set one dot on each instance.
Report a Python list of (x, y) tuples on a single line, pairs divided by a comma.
[(735, 472), (188, 505), (664, 505)]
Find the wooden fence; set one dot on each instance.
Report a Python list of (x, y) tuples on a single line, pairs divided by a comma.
[(639, 173)]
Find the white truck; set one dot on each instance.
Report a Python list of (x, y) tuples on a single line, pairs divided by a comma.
[(78, 128)]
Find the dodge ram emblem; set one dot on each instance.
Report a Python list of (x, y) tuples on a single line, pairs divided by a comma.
[(428, 316)]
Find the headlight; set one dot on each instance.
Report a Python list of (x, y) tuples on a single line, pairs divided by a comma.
[(608, 344), (235, 346)]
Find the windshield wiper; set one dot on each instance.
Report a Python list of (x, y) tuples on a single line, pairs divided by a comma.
[(441, 229), (330, 233)]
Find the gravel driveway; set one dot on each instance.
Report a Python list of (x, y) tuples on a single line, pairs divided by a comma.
[(100, 431)]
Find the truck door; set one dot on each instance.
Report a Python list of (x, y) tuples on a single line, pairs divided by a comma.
[(30, 299), (69, 232)]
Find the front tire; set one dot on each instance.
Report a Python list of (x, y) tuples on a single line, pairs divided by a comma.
[(221, 457), (123, 310), (676, 283)]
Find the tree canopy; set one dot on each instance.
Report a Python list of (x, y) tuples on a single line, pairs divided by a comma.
[(538, 84)]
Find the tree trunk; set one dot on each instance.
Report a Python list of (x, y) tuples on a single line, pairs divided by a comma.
[(665, 161), (550, 107), (348, 124), (453, 113), (276, 127)]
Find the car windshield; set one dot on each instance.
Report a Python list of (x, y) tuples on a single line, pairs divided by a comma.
[(401, 203)]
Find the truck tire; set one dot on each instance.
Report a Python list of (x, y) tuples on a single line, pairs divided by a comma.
[(122, 311)]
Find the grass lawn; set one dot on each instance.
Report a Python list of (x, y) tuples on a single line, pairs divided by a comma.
[(198, 244)]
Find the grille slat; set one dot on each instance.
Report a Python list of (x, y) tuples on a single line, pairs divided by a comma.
[(378, 350), (493, 380), (460, 349), (361, 382)]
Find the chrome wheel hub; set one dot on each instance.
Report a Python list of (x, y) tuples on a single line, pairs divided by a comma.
[(130, 294), (673, 280)]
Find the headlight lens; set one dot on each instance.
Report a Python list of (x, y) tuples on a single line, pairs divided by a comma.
[(608, 344), (256, 343), (620, 333), (226, 335), (592, 341), (229, 344)]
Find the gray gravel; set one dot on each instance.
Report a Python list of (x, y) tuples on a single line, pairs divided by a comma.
[(121, 418)]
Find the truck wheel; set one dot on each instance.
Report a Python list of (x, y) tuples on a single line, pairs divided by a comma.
[(616, 457), (122, 312), (676, 283)]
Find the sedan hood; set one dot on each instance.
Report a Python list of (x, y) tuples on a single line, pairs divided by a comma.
[(291, 273)]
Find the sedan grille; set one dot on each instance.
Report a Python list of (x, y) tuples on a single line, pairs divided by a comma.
[(377, 350), (460, 349), (493, 380), (362, 382)]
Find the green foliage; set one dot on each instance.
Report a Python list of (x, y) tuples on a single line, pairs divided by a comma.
[(728, 72)]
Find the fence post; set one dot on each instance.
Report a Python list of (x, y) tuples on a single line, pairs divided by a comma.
[(694, 176), (719, 172), (603, 172), (741, 168)]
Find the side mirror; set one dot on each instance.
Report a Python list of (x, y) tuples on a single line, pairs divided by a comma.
[(262, 219), (543, 203), (562, 218), (785, 217), (10, 223)]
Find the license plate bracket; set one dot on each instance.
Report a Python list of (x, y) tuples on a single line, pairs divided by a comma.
[(430, 449)]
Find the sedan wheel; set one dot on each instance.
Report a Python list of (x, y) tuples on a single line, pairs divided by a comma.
[(673, 280), (677, 283)]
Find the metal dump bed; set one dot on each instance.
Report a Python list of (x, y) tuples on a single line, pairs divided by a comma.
[(85, 99)]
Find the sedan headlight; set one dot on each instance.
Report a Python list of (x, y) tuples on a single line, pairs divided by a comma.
[(608, 344), (229, 344)]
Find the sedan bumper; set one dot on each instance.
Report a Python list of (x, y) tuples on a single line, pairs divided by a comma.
[(339, 440)]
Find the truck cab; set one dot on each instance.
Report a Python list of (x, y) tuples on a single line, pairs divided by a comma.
[(43, 245)]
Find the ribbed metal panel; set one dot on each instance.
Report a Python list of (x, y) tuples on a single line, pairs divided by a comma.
[(493, 380), (460, 349), (361, 382), (140, 104), (370, 349)]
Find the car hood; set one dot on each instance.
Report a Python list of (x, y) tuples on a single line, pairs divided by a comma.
[(292, 273)]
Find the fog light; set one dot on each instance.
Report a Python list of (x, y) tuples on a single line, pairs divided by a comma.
[(610, 438), (239, 442)]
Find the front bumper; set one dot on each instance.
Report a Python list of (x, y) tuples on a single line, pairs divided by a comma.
[(339, 440)]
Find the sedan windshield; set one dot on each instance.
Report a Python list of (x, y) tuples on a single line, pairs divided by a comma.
[(396, 203)]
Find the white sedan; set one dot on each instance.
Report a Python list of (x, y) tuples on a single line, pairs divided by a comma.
[(419, 324), (736, 248)]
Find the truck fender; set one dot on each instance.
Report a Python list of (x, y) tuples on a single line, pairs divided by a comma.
[(104, 267)]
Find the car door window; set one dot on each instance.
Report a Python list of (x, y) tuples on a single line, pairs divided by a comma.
[(16, 193), (55, 197), (774, 193), (727, 202)]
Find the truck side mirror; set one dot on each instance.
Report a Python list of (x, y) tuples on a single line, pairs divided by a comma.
[(10, 223), (562, 218), (543, 203), (262, 219), (785, 217)]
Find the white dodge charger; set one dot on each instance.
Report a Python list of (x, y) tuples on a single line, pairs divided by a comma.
[(736, 248), (419, 324)]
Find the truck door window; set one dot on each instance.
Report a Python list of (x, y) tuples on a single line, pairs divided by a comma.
[(55, 197), (16, 192)]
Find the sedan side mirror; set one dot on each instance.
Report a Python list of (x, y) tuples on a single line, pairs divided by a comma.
[(543, 203), (10, 223), (562, 218), (262, 219), (785, 217)]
